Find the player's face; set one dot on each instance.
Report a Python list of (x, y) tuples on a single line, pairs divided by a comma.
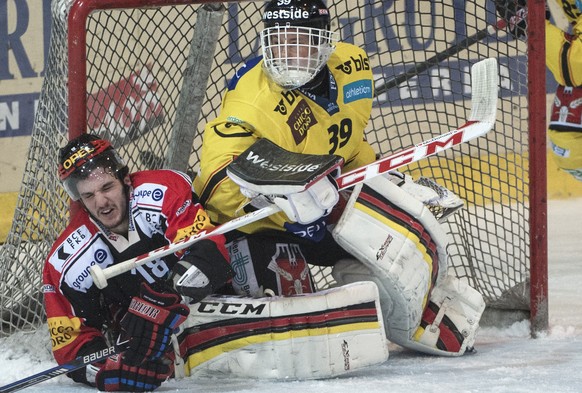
[(103, 195), (294, 45)]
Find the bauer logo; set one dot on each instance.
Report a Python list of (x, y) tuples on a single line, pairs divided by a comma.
[(357, 90), (183, 208)]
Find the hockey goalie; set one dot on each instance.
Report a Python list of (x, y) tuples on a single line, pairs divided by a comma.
[(290, 121)]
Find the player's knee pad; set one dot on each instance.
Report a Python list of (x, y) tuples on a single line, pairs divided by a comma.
[(403, 249), (277, 337)]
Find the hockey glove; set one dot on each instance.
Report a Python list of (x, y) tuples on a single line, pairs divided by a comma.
[(115, 375), (201, 271), (149, 323), (514, 12)]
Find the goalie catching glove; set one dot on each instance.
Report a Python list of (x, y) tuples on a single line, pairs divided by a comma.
[(301, 185), (149, 323)]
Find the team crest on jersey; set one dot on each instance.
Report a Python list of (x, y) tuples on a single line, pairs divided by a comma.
[(293, 275), (567, 109), (300, 121)]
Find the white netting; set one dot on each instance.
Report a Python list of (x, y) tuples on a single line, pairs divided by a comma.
[(141, 64)]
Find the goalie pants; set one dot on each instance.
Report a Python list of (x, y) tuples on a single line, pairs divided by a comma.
[(277, 263)]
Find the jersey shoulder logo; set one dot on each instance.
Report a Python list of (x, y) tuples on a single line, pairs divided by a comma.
[(358, 90), (149, 193), (289, 99), (71, 245), (354, 64)]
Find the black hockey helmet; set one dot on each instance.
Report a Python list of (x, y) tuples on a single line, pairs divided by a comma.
[(84, 154), (305, 13)]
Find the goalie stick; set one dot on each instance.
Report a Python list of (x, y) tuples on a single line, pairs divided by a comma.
[(417, 69), (484, 86), (73, 365)]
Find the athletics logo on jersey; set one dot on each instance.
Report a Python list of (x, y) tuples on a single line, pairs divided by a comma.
[(357, 90), (301, 120)]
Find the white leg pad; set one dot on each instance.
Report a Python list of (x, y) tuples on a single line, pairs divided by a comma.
[(451, 320), (316, 335), (401, 298), (402, 248)]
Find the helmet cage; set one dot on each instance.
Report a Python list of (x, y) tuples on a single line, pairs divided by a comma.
[(293, 55), (82, 160)]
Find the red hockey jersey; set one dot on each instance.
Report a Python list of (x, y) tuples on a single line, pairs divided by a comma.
[(162, 209)]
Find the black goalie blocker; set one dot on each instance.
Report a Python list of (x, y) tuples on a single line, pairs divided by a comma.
[(302, 185)]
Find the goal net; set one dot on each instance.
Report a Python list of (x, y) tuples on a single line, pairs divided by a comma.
[(148, 74)]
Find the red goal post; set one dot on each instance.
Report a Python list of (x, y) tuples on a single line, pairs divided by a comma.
[(150, 73)]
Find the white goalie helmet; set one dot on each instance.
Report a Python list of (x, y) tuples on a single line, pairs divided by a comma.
[(296, 41)]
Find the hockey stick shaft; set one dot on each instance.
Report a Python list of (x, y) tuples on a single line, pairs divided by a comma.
[(484, 84), (73, 365), (419, 68)]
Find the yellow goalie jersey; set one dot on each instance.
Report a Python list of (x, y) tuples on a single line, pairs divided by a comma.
[(563, 50), (254, 107)]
